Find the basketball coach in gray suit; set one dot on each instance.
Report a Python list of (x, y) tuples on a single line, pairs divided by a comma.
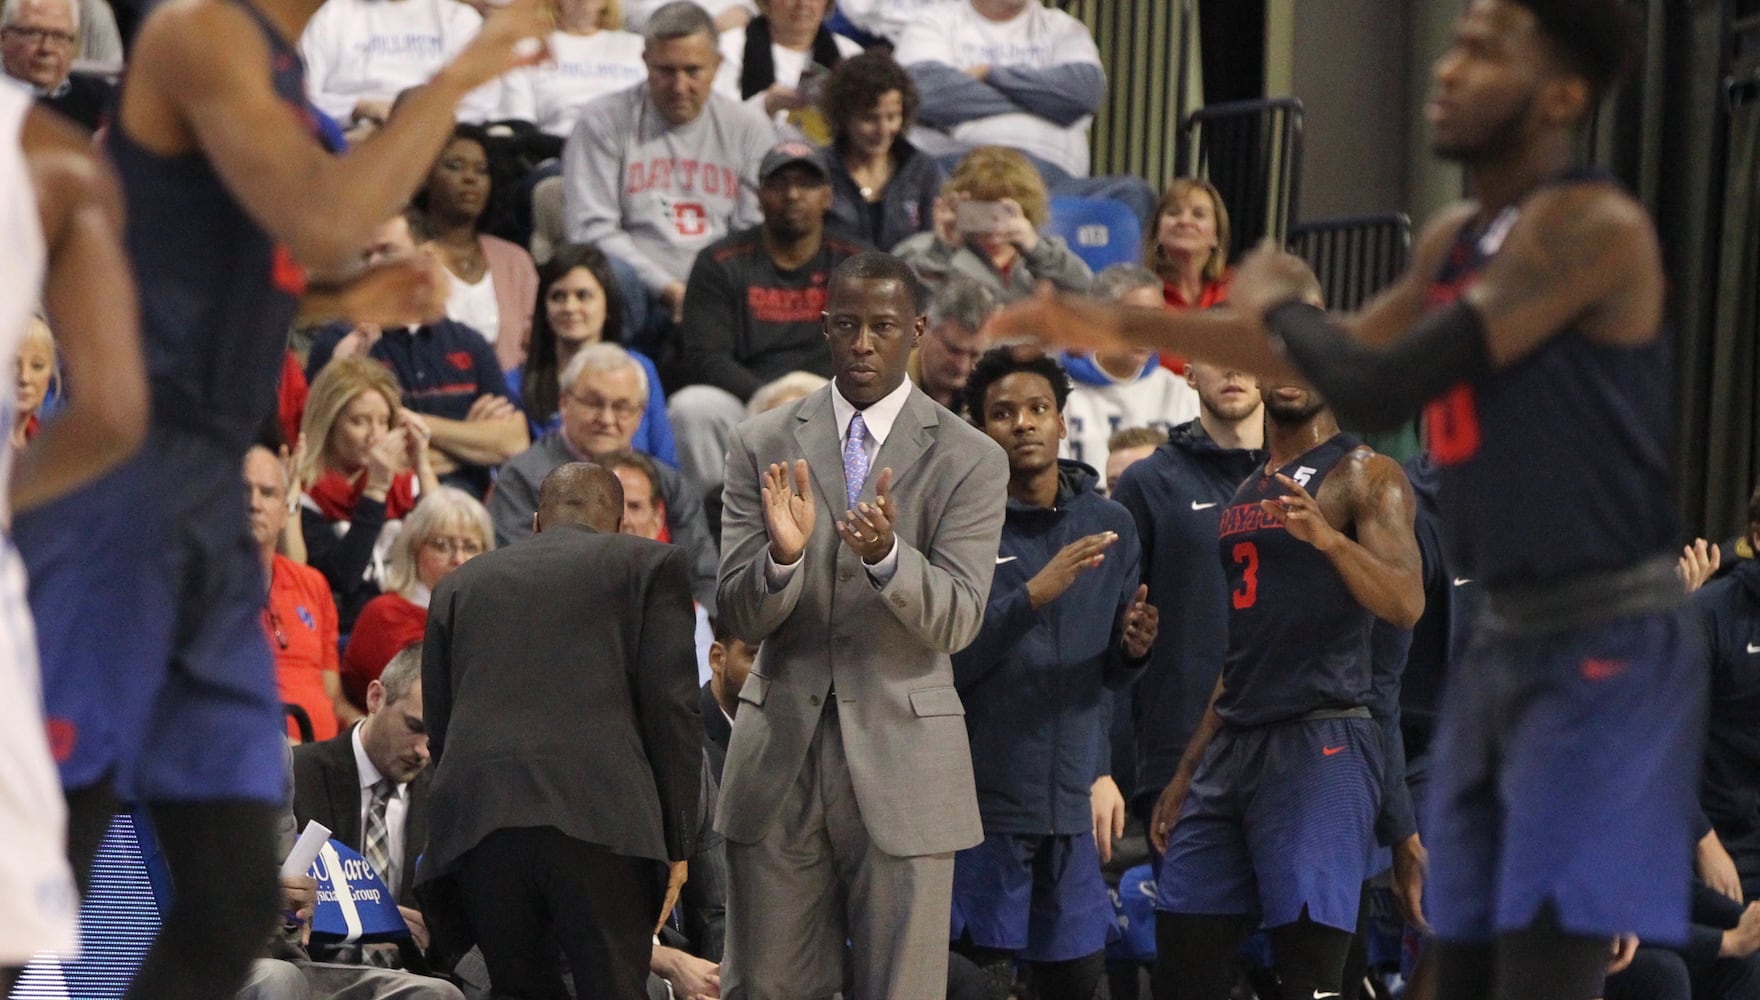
[(859, 539)]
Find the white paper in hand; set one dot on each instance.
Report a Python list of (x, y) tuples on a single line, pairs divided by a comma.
[(311, 839)]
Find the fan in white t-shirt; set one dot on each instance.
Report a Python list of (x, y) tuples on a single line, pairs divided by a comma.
[(590, 55), (360, 54), (770, 79), (1004, 73)]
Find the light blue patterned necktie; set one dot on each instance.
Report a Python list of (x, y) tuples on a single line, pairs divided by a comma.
[(855, 459)]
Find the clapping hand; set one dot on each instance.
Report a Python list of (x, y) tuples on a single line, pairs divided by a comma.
[(789, 511), (1268, 277), (868, 528), (1141, 623)]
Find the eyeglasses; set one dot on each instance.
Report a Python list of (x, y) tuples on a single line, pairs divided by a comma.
[(37, 36), (275, 626), (449, 547), (622, 409)]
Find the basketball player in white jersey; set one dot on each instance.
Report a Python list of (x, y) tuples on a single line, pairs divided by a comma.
[(60, 225)]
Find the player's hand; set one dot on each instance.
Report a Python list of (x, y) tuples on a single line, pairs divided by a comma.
[(1167, 808), (1716, 868), (1141, 624), (1071, 561), (1107, 804), (676, 873), (397, 291), (1411, 866), (1624, 949), (299, 897), (513, 35), (789, 511), (1699, 562), (1070, 321), (868, 528), (418, 926), (1301, 516), (1268, 277)]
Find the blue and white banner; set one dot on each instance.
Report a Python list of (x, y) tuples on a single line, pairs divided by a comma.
[(353, 902)]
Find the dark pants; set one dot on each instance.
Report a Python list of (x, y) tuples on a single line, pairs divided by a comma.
[(529, 891), (221, 858)]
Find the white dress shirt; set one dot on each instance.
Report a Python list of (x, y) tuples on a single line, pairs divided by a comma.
[(396, 809), (879, 417)]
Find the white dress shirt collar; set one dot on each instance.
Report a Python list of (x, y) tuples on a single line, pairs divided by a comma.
[(880, 415)]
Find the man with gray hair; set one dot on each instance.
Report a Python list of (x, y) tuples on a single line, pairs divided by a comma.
[(604, 393), (657, 172), (1118, 389), (955, 340), (38, 42)]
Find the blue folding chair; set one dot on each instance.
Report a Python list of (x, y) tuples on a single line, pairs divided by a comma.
[(1101, 231)]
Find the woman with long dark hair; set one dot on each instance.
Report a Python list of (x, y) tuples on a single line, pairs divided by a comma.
[(579, 303)]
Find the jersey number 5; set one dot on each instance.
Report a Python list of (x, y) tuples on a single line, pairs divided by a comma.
[(1246, 554)]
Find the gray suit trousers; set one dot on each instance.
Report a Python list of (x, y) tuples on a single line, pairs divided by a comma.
[(816, 879)]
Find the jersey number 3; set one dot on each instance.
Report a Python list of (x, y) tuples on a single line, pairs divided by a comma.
[(1246, 555)]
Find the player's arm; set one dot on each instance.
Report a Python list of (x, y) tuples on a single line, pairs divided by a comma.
[(1582, 257), (1173, 797), (90, 298), (202, 81), (1382, 567)]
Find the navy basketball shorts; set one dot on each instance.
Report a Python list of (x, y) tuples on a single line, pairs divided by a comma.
[(1567, 770), (1039, 896), (147, 591), (1279, 819)]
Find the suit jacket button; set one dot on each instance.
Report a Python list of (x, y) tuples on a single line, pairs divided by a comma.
[(898, 600), (813, 701), (845, 576)]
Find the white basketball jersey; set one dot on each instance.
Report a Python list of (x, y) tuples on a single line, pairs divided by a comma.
[(37, 904), (21, 266)]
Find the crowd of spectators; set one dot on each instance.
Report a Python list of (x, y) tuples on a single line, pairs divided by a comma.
[(633, 298)]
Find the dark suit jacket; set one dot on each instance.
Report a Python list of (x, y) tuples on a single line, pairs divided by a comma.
[(327, 788), (716, 732), (559, 687)]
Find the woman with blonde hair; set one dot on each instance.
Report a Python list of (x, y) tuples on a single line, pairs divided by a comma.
[(447, 529), (987, 224), (1187, 247), (38, 372), (364, 467)]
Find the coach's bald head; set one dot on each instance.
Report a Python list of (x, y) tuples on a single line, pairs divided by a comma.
[(580, 493)]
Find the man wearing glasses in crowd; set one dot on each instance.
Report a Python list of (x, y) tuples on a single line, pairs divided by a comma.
[(604, 393), (38, 41)]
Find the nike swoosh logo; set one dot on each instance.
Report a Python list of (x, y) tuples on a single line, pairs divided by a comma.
[(1005, 559), (1203, 506), (1753, 648), (1461, 581), (1332, 752)]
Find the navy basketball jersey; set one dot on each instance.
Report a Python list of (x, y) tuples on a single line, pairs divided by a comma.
[(1297, 640), (1561, 464), (217, 294)]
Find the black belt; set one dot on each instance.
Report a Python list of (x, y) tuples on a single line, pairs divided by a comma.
[(1650, 587)]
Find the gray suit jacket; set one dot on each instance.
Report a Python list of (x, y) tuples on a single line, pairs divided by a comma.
[(884, 649)]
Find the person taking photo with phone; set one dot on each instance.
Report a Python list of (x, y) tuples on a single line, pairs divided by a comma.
[(987, 224)]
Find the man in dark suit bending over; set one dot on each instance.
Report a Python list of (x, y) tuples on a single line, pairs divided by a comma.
[(560, 686)]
